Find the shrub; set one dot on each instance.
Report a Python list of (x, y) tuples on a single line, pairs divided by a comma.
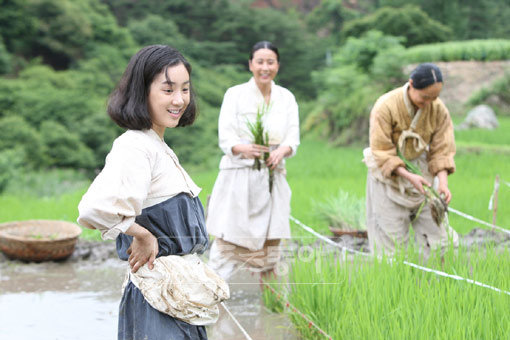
[(17, 134), (497, 94), (65, 148), (5, 58), (409, 21), (481, 50), (361, 71), (10, 162), (342, 211)]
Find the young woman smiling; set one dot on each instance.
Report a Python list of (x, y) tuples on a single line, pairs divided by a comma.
[(146, 201)]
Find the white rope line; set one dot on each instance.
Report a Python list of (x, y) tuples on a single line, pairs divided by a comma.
[(474, 219), (430, 270), (247, 336), (456, 277), (325, 239)]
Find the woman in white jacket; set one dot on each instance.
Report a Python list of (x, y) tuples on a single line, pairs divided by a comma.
[(248, 218), (143, 198)]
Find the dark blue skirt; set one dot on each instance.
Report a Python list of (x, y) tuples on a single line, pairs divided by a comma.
[(179, 225)]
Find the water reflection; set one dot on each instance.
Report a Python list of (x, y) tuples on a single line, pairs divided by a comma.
[(79, 300)]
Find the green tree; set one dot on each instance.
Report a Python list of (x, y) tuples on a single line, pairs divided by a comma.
[(18, 135), (64, 148), (5, 59), (16, 24), (74, 99), (468, 19), (62, 31), (361, 70), (329, 17), (66, 29), (409, 21), (223, 32), (153, 29)]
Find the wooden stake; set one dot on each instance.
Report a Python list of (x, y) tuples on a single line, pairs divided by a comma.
[(495, 201)]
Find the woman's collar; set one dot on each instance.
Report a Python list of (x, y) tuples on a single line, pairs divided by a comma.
[(407, 100)]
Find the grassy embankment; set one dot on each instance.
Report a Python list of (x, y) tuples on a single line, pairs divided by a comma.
[(317, 172)]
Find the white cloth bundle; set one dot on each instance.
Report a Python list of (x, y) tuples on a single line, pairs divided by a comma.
[(182, 287)]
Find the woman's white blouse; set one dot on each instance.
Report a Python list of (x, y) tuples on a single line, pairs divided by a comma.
[(240, 105), (140, 171)]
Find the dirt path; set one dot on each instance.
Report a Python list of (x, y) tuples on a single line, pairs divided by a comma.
[(463, 78)]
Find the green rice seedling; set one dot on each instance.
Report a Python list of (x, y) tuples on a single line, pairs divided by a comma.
[(438, 206), (369, 298), (261, 137), (343, 211), (273, 295)]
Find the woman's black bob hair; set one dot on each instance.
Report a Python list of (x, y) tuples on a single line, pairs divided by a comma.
[(265, 44), (426, 74), (128, 106)]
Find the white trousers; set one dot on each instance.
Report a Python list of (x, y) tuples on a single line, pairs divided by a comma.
[(226, 258)]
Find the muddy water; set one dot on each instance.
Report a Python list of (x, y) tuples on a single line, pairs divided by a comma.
[(79, 300)]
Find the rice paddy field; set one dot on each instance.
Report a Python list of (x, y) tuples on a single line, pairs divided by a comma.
[(359, 298), (362, 298)]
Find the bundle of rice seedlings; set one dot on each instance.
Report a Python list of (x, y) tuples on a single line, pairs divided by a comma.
[(261, 137), (438, 207), (343, 211)]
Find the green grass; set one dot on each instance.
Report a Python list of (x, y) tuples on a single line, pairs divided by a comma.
[(482, 154), (499, 137), (373, 299), (318, 171), (315, 174), (62, 208)]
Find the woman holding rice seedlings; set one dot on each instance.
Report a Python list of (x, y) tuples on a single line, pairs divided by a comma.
[(145, 200), (412, 122), (249, 208)]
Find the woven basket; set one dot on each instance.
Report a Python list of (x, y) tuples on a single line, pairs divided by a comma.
[(38, 240)]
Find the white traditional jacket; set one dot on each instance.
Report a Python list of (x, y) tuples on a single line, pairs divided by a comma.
[(140, 171), (240, 105)]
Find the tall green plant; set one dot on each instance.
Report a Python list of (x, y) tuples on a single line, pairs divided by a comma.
[(342, 211)]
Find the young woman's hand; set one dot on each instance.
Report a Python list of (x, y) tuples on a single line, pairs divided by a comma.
[(276, 156), (143, 249), (249, 150)]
